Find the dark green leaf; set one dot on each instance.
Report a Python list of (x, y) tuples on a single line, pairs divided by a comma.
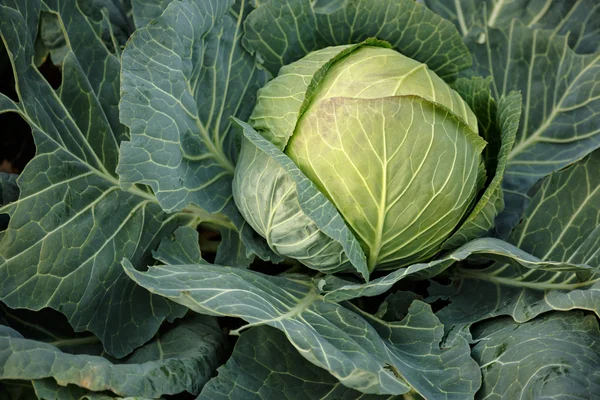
[(180, 358), (264, 365), (73, 223), (183, 76), (370, 356), (561, 104), (284, 31), (486, 248), (561, 224), (553, 356), (580, 19)]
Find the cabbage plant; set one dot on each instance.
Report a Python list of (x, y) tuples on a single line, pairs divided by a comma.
[(312, 199)]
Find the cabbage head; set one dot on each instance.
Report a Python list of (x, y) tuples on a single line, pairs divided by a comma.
[(390, 144)]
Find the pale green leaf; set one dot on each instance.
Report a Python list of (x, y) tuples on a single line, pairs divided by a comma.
[(309, 224), (380, 190)]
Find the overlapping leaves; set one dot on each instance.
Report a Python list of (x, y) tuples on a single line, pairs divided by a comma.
[(265, 365), (518, 44), (180, 358), (567, 204), (579, 19), (557, 356), (362, 352), (72, 221), (284, 31), (183, 76)]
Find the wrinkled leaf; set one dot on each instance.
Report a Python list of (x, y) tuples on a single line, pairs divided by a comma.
[(183, 76), (561, 104), (182, 358), (372, 357), (284, 31), (553, 356), (566, 206), (72, 221), (580, 19), (337, 289), (264, 365)]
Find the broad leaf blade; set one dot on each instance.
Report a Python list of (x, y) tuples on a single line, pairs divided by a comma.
[(273, 31), (485, 248), (72, 220), (188, 122), (264, 365), (145, 11), (367, 358), (183, 77), (563, 219), (561, 104), (557, 356), (561, 224), (580, 19), (180, 358)]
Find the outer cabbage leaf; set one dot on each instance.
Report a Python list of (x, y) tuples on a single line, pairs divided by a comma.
[(524, 293), (180, 358), (305, 222), (110, 19), (337, 289), (72, 221), (580, 19), (372, 357), (561, 104), (48, 389), (498, 126), (284, 31), (183, 76), (562, 224), (557, 356), (264, 365)]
